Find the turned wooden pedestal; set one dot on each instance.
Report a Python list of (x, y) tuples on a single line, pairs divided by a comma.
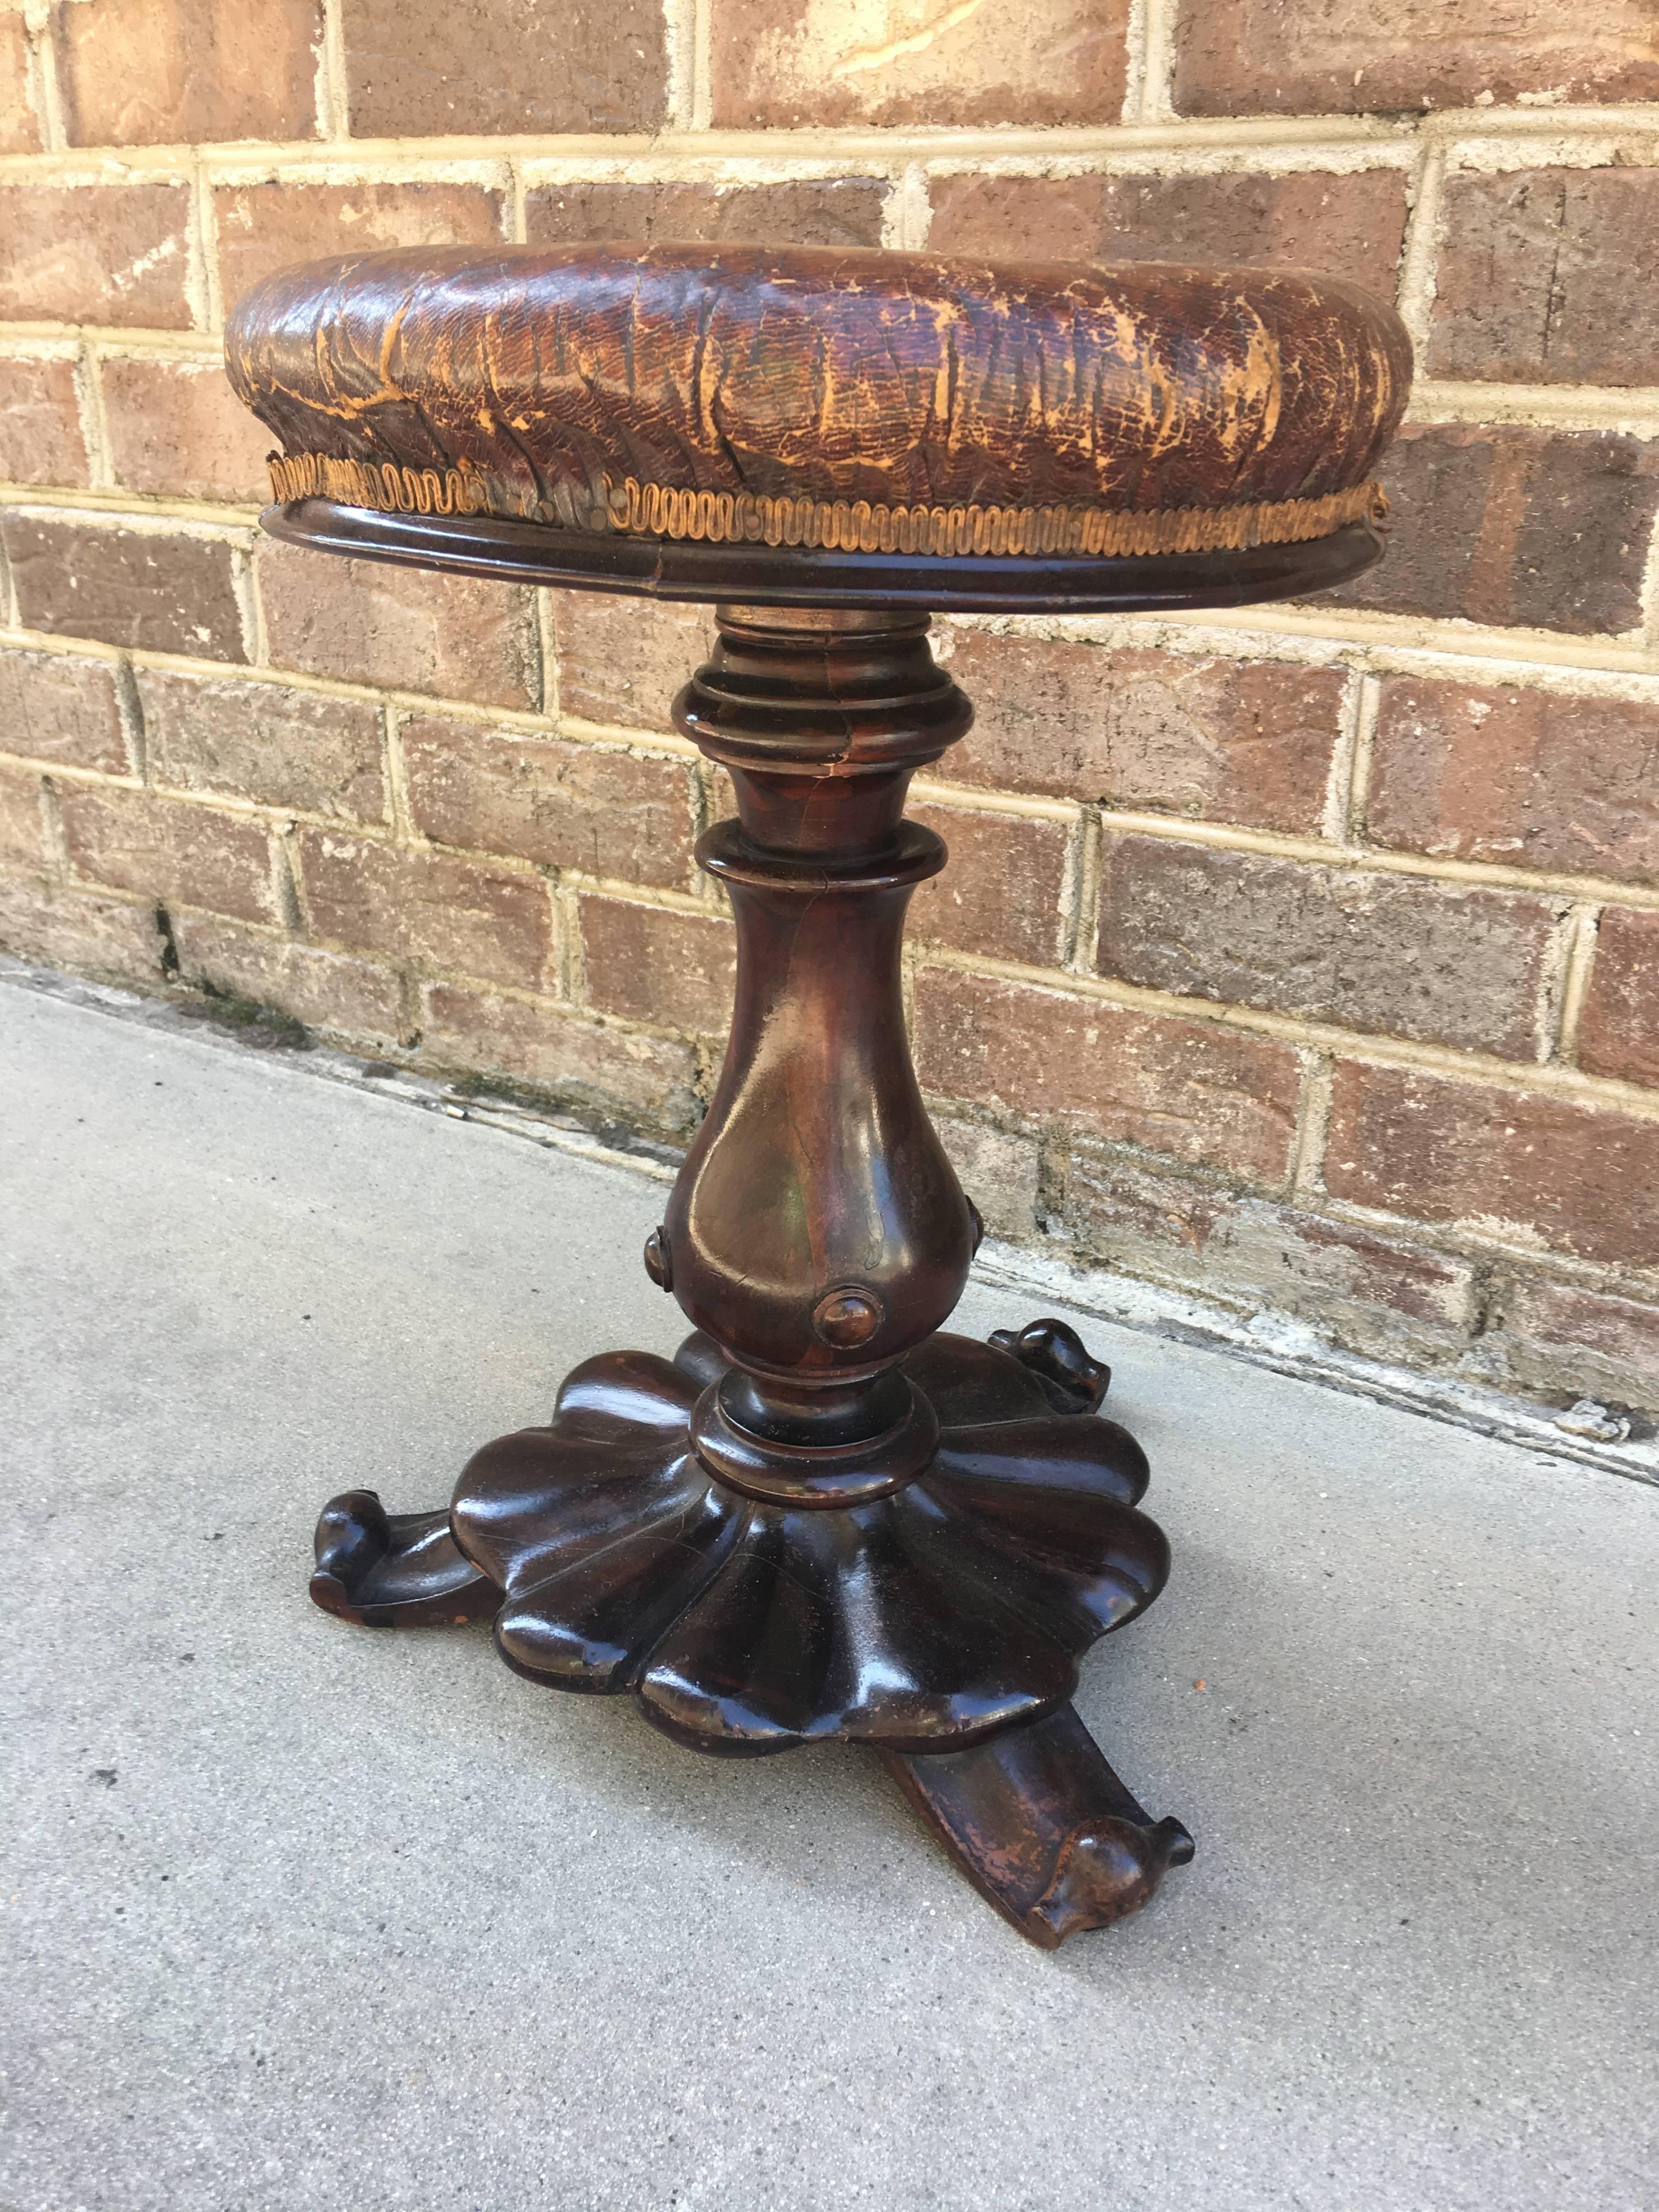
[(826, 1516)]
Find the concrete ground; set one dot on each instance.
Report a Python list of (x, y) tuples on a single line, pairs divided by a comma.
[(301, 1916)]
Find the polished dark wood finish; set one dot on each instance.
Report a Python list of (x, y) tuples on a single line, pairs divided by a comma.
[(1042, 1826), (826, 1516), (542, 381), (381, 1570), (805, 576)]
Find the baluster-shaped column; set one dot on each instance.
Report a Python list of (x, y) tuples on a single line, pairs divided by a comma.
[(816, 1232)]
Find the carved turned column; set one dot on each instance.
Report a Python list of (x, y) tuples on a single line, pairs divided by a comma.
[(818, 1231)]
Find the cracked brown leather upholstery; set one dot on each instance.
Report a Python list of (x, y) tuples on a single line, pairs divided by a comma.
[(805, 396)]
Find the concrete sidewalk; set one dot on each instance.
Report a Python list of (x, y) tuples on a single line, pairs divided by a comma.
[(310, 1917)]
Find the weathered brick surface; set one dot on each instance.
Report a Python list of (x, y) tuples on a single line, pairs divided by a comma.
[(572, 806), (1236, 56), (1192, 1089), (168, 72), (621, 661), (998, 1169), (430, 907), (1618, 1029), (263, 227), (1534, 1170), (325, 990), (1247, 742), (40, 436), (20, 126), (1448, 965), (264, 742), (1546, 528), (162, 590), (1608, 1347), (1549, 277), (1370, 1290), (364, 621), (95, 253), (1351, 225), (56, 708), (177, 428), (676, 970), (417, 67), (596, 1066), (799, 211), (79, 930), (790, 62), (1521, 777), (182, 856), (22, 831), (1000, 890)]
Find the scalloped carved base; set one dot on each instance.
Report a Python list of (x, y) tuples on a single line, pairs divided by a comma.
[(941, 1624)]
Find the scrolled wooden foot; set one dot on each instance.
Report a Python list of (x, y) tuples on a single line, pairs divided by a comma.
[(1042, 1827), (383, 1569), (1071, 1380)]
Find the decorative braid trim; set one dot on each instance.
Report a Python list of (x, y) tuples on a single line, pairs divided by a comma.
[(722, 518)]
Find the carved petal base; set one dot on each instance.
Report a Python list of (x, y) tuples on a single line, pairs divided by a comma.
[(949, 1615)]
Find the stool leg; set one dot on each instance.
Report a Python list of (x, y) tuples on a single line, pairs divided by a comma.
[(1042, 1825), (383, 1569)]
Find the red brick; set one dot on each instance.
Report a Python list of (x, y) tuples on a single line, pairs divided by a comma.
[(22, 830), (592, 1064), (40, 440), (265, 226), (180, 855), (1000, 890), (797, 211), (56, 708), (621, 661), (366, 622), (1542, 528), (1549, 277), (1194, 1090), (114, 254), (325, 990), (1618, 1029), (20, 126), (77, 930), (418, 68), (177, 428), (541, 798), (999, 1170), (1369, 1292), (1363, 951), (1603, 1346), (428, 907), (1534, 1170), (1352, 56), (790, 63), (1348, 225), (678, 970), (179, 72), (264, 742), (1525, 778), (159, 591), (1249, 742)]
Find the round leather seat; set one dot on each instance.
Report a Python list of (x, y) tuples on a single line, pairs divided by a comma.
[(877, 402)]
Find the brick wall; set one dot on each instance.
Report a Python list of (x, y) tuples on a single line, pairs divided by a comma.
[(1308, 959)]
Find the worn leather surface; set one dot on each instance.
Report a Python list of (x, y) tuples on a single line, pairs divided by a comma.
[(549, 377)]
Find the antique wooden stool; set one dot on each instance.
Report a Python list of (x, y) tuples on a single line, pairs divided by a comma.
[(823, 1516)]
